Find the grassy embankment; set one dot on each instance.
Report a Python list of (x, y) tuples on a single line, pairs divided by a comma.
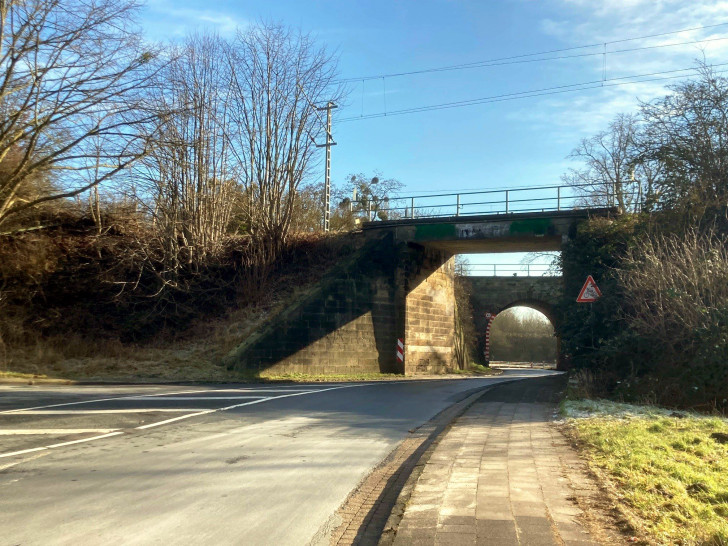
[(666, 471)]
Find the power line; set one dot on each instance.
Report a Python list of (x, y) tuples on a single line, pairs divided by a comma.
[(488, 64), (516, 59), (593, 84)]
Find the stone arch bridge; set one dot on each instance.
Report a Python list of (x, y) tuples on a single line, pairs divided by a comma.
[(400, 286), (493, 294)]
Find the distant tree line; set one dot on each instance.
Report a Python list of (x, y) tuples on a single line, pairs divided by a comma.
[(517, 337)]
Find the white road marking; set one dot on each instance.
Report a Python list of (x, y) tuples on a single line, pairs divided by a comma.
[(159, 423), (257, 400), (102, 411), (173, 393), (15, 463), (98, 400), (152, 425), (23, 451), (62, 444), (59, 431), (264, 390), (190, 398)]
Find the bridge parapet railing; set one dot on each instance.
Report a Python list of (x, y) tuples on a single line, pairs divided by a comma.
[(511, 270), (475, 203)]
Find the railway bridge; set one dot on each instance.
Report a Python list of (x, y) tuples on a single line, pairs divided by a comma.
[(391, 308)]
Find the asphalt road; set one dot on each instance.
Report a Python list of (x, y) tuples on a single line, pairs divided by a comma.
[(245, 464)]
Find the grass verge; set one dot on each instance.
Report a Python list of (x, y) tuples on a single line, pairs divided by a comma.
[(667, 470), (478, 369), (313, 378)]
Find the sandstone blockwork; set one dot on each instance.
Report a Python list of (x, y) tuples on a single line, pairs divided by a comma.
[(430, 316), (345, 325)]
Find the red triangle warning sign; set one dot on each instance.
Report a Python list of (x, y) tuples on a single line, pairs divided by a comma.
[(590, 291)]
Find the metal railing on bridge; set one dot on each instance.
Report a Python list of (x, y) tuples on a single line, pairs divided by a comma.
[(472, 203), (508, 270)]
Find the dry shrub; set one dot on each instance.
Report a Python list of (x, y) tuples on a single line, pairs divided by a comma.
[(80, 292), (675, 285), (588, 384), (676, 302)]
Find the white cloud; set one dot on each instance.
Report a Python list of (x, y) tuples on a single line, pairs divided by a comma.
[(166, 19), (615, 22)]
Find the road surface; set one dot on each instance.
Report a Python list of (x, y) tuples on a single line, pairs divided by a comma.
[(243, 464)]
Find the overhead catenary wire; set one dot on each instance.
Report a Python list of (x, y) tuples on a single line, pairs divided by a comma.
[(523, 58), (567, 88), (603, 54)]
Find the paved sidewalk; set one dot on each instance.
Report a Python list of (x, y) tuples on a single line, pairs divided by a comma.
[(501, 475)]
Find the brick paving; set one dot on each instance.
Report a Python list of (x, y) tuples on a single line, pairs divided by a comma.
[(362, 518), (502, 474)]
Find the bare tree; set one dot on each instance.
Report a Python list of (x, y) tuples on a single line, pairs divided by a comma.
[(609, 176), (373, 194), (279, 78), (188, 170), (72, 73), (687, 134)]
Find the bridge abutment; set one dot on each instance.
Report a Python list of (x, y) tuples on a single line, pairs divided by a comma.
[(429, 311)]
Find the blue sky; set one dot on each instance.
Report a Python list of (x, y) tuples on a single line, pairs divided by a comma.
[(502, 144)]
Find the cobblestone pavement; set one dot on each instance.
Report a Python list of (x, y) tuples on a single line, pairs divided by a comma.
[(502, 475)]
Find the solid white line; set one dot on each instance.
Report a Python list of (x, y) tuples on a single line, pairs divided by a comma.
[(263, 390), (22, 452), (152, 425), (159, 423), (96, 400), (39, 431), (181, 417), (62, 444), (25, 460), (289, 395), (102, 411), (190, 398), (161, 394)]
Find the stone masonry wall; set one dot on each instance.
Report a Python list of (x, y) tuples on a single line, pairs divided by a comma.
[(430, 316), (493, 294), (345, 325)]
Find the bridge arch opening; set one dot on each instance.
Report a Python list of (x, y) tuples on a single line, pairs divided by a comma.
[(523, 335)]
